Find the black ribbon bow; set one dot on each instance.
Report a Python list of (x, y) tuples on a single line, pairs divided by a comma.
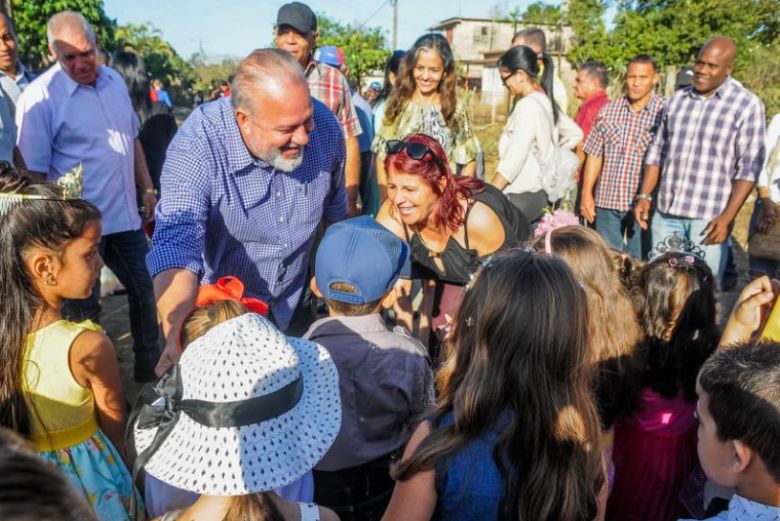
[(149, 414)]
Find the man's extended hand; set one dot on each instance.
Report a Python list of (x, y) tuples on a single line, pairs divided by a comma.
[(770, 213), (170, 356), (718, 230), (642, 213), (588, 206)]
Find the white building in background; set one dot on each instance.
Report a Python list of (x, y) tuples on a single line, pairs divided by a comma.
[(478, 42)]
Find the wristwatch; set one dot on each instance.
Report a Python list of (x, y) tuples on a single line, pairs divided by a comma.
[(646, 197)]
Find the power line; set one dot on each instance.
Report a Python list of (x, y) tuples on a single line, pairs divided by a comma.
[(382, 6)]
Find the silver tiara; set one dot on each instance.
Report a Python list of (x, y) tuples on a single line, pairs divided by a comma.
[(71, 184), (676, 243)]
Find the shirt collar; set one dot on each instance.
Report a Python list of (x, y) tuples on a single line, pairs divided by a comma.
[(21, 70), (721, 91), (238, 155), (600, 95), (655, 99), (336, 325), (104, 75), (742, 508)]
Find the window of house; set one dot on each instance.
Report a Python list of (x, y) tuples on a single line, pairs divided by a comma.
[(481, 35)]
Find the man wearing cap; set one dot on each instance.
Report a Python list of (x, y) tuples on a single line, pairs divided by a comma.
[(296, 33), (705, 158), (246, 183)]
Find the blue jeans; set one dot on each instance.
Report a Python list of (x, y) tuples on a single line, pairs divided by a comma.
[(125, 254), (620, 231), (756, 264), (664, 225)]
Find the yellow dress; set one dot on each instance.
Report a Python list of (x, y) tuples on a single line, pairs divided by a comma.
[(65, 430)]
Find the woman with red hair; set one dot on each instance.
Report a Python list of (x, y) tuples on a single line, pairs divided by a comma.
[(452, 223)]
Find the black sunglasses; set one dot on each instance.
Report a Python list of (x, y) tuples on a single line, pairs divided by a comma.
[(416, 151)]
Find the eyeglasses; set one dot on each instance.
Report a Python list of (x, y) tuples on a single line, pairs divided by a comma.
[(505, 79), (416, 151)]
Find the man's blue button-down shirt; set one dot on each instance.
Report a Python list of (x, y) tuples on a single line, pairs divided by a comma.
[(224, 212)]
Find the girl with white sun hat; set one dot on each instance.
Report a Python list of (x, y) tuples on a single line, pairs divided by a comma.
[(245, 411)]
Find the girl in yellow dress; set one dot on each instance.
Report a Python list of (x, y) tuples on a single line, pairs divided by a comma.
[(59, 380)]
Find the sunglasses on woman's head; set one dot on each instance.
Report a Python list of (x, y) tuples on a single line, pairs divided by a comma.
[(416, 151)]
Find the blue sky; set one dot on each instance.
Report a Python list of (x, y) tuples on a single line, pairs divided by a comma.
[(235, 27)]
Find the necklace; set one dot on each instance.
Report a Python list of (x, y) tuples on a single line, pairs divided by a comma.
[(431, 252)]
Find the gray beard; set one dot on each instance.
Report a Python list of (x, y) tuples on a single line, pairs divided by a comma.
[(279, 162)]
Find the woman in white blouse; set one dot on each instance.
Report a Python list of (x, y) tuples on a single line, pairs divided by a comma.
[(532, 130), (767, 209)]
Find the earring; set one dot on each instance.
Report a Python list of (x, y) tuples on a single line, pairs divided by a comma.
[(50, 281)]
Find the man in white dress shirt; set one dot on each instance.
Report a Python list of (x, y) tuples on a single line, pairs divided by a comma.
[(79, 112)]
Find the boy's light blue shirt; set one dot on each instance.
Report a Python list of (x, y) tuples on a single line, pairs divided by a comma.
[(742, 509)]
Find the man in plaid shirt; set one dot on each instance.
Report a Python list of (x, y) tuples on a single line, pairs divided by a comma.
[(616, 149), (296, 33), (707, 156)]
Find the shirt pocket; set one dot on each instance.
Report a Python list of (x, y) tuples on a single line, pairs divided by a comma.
[(309, 200), (613, 137)]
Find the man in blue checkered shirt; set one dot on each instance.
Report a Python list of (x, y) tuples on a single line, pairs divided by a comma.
[(707, 155), (246, 183)]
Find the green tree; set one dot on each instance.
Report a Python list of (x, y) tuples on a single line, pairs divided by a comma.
[(159, 56), (586, 18), (541, 13), (364, 47), (30, 17)]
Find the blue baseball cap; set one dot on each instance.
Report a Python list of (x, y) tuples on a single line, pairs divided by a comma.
[(362, 253), (330, 55)]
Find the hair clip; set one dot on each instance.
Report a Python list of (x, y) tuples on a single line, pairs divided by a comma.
[(71, 184), (678, 244), (469, 322), (488, 261)]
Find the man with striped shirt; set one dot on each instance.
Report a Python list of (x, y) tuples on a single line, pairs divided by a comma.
[(616, 148), (706, 157)]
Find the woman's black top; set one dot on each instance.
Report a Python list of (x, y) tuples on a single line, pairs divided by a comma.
[(460, 263)]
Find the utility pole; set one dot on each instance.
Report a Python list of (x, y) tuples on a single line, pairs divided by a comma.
[(394, 3), (8, 8)]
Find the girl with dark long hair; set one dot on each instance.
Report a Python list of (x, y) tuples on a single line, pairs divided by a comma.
[(533, 130), (424, 100), (655, 445), (515, 435), (59, 380)]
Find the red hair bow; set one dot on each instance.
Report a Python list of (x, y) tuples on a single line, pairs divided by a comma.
[(228, 288)]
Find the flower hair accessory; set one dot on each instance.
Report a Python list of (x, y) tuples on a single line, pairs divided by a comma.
[(553, 220), (677, 244)]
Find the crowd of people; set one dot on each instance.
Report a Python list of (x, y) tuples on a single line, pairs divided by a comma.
[(341, 315)]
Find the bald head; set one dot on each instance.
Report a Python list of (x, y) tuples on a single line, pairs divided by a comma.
[(265, 72), (68, 23), (72, 42), (273, 107), (714, 64), (721, 46)]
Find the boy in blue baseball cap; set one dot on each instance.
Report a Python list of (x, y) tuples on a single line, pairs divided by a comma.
[(385, 378)]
